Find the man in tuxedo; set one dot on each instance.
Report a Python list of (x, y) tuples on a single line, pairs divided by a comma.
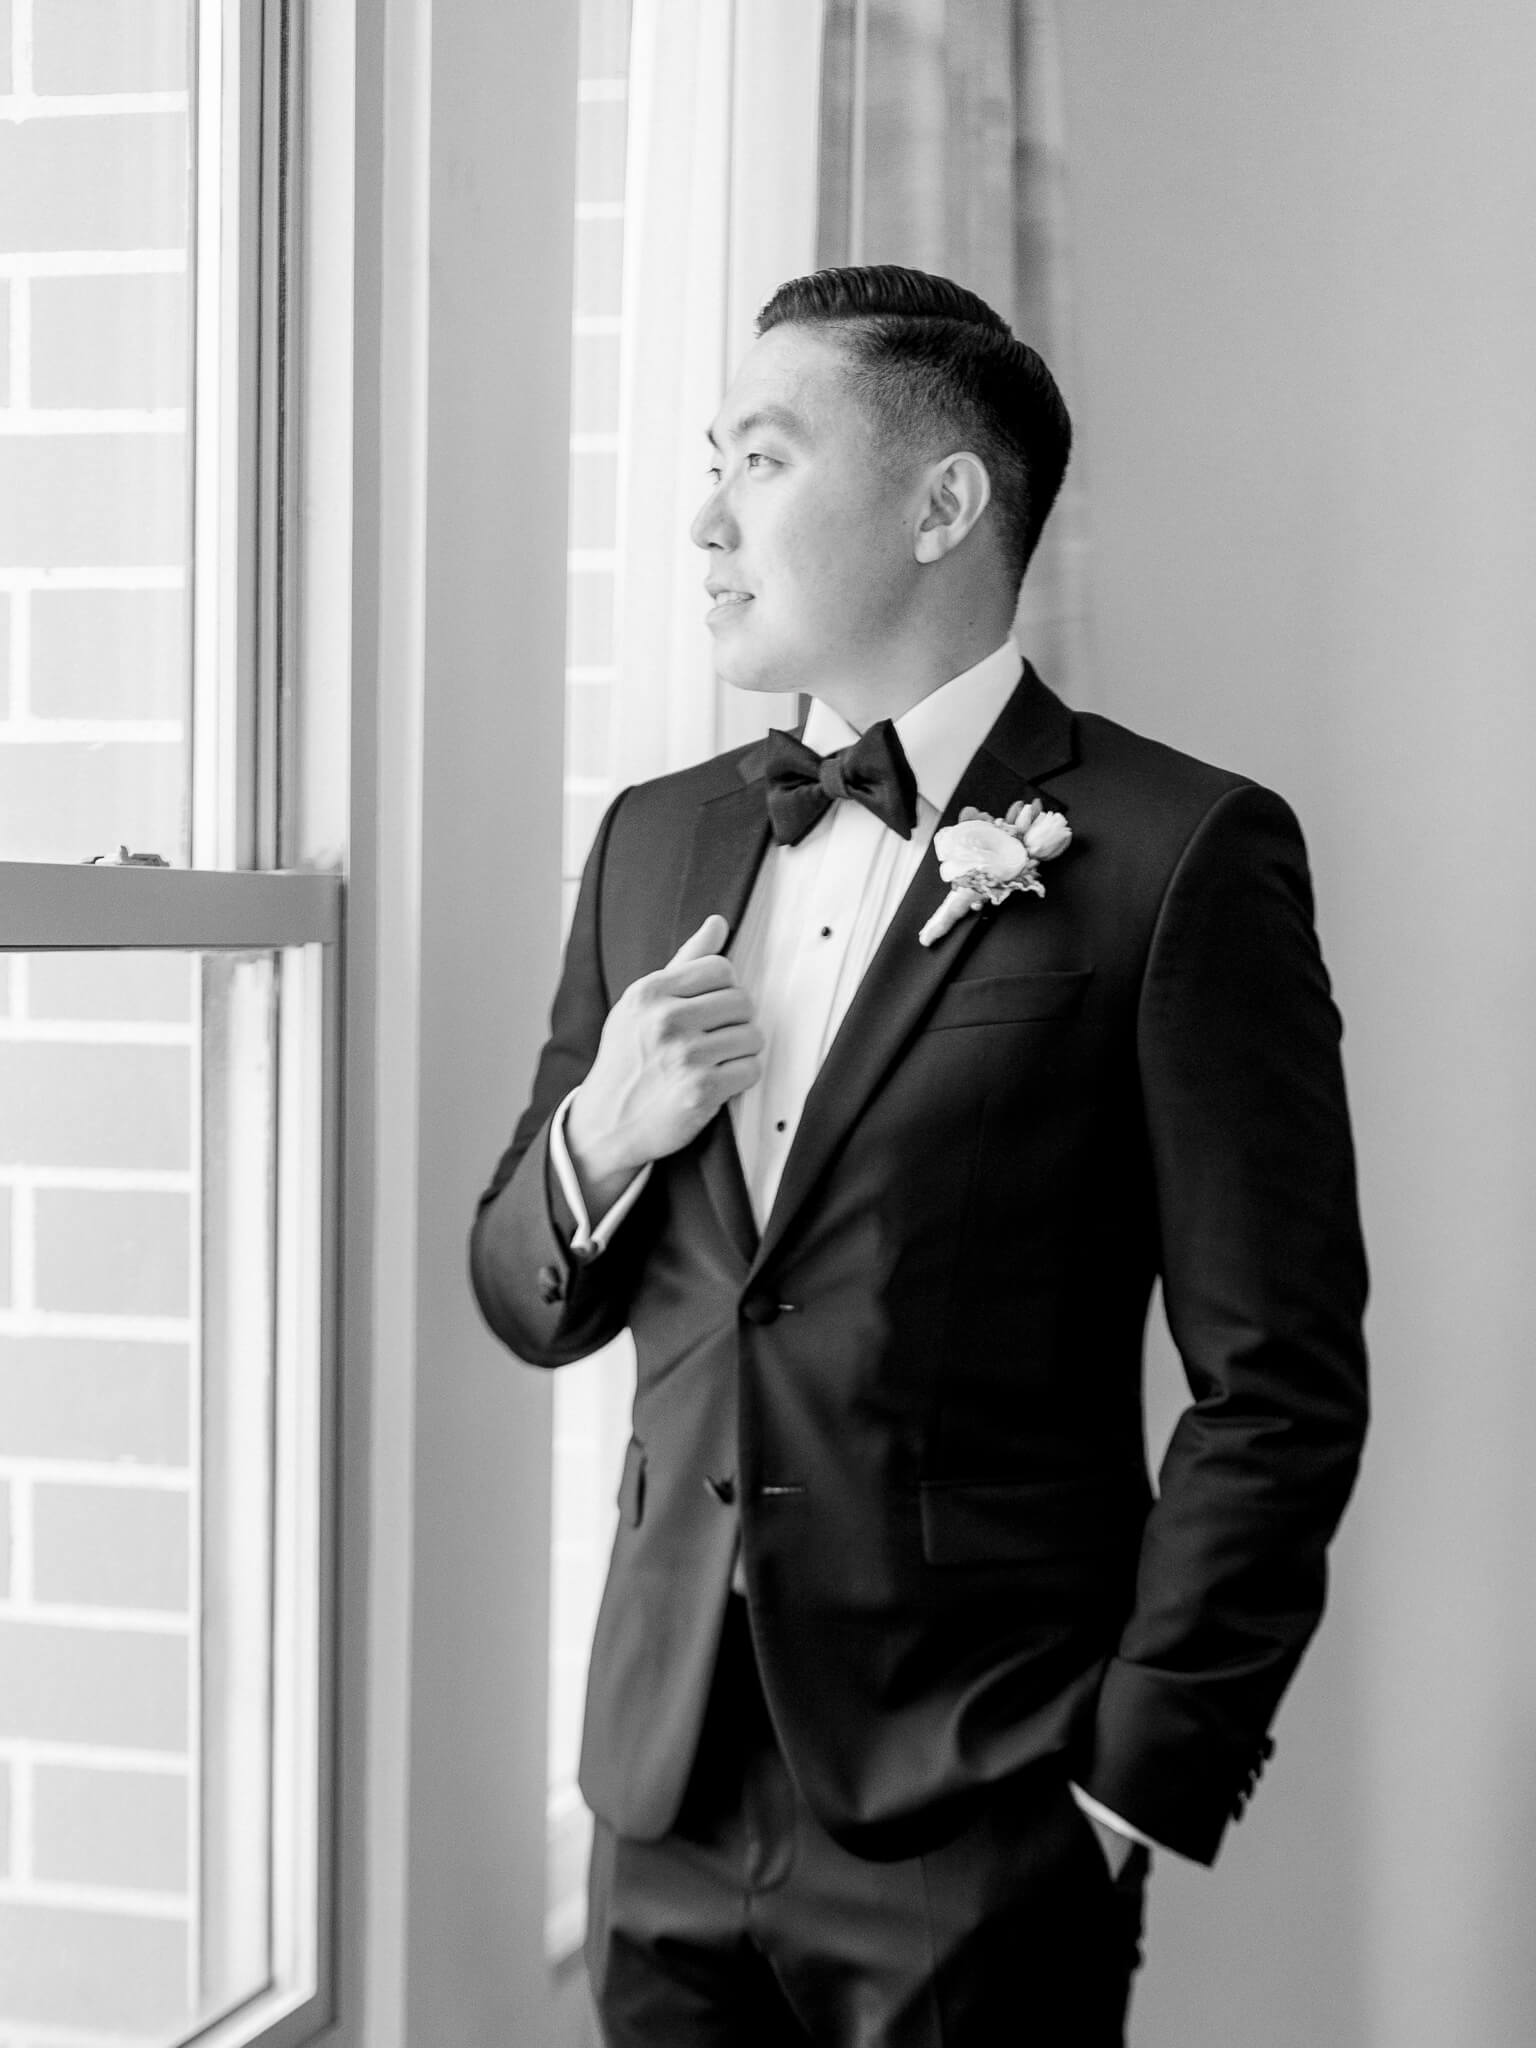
[(902, 1668)]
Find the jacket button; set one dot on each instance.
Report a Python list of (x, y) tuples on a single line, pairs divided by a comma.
[(760, 1310), (550, 1284), (724, 1490)]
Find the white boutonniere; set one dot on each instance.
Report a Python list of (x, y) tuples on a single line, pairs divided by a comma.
[(987, 859)]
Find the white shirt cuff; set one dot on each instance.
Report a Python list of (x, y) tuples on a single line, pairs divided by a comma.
[(1091, 1806), (590, 1240)]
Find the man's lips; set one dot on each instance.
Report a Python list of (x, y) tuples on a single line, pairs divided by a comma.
[(726, 598)]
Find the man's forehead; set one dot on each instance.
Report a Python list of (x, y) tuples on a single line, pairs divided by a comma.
[(785, 381)]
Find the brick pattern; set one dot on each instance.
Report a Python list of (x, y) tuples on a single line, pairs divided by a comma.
[(98, 1494), (109, 343), (103, 46), (98, 1499), (96, 1826), (109, 1707), (95, 400)]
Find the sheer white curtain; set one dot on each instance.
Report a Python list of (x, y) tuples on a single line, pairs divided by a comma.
[(720, 206), (943, 146)]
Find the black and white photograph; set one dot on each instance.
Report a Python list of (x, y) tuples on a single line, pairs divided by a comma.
[(767, 985)]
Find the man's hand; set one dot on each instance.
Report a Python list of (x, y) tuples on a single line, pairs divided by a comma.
[(676, 1045)]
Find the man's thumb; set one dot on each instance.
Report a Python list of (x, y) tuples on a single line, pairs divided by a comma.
[(709, 938)]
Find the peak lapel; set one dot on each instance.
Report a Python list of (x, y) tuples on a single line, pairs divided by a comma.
[(1033, 738), (730, 837)]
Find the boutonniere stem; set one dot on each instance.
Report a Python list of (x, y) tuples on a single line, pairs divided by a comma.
[(986, 860)]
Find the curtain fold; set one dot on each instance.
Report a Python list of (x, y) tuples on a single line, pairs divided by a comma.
[(720, 207), (942, 148)]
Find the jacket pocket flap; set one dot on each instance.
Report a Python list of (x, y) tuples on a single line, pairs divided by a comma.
[(1009, 998), (632, 1484)]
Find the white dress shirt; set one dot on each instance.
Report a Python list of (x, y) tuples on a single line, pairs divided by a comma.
[(817, 912)]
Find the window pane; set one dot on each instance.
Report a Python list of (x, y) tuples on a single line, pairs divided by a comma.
[(96, 126), (140, 1757)]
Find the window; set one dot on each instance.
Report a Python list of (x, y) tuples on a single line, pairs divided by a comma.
[(167, 1036), (696, 196)]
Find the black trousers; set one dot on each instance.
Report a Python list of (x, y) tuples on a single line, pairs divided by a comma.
[(749, 1927)]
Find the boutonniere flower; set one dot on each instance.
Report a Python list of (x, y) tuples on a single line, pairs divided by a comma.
[(985, 860)]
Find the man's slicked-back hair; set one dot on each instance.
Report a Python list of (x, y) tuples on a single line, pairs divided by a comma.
[(934, 364)]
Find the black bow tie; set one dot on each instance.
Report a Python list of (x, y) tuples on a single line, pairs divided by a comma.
[(802, 785)]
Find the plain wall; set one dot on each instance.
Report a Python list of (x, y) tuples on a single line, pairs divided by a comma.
[(466, 188), (1305, 346), (498, 345)]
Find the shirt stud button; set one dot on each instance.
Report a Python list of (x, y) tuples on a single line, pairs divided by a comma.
[(826, 931)]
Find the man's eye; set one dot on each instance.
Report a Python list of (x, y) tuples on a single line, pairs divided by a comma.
[(754, 459)]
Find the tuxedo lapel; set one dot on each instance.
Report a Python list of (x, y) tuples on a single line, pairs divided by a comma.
[(1032, 739), (730, 837)]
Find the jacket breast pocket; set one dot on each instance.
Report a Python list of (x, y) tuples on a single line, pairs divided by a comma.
[(1010, 998), (632, 1484)]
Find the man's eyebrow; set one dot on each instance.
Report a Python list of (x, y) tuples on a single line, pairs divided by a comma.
[(788, 424)]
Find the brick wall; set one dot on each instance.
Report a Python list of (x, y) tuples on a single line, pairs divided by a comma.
[(98, 1061), (97, 1426), (94, 408)]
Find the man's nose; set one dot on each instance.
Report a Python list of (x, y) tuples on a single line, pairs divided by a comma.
[(713, 526)]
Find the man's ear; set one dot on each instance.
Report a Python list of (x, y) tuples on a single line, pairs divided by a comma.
[(956, 491)]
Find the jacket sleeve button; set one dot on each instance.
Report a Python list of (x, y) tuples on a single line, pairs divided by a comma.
[(758, 1309)]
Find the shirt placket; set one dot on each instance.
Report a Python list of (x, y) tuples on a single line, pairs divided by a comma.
[(824, 920)]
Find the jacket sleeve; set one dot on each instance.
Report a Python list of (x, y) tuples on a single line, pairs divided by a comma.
[(541, 1298), (1264, 1284)]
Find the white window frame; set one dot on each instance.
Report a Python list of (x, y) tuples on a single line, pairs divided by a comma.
[(247, 769), (430, 167)]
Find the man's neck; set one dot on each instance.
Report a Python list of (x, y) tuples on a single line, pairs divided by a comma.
[(890, 683)]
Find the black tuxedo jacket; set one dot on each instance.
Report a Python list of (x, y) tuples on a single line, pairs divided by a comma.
[(920, 1387)]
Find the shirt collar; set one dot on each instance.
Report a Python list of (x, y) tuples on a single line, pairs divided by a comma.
[(941, 732)]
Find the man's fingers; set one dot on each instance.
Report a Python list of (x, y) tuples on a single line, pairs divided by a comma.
[(698, 964), (709, 938), (696, 977), (714, 1008), (735, 1077), (735, 1042)]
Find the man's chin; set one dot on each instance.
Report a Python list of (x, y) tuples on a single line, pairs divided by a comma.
[(738, 671), (755, 661)]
